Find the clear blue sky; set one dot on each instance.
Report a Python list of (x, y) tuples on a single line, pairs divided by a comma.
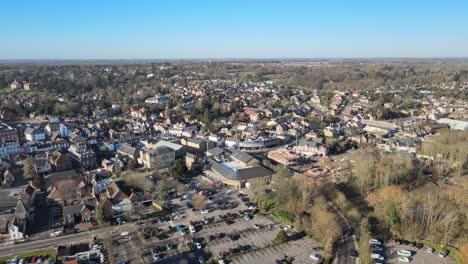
[(98, 29)]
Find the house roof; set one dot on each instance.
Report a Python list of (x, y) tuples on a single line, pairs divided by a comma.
[(20, 210), (5, 219), (215, 151), (159, 150), (241, 173), (169, 144), (128, 150), (241, 156), (76, 208)]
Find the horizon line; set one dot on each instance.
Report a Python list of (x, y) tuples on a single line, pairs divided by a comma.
[(237, 59)]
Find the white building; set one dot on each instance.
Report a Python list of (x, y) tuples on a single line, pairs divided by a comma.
[(34, 134), (57, 128), (158, 99), (9, 148)]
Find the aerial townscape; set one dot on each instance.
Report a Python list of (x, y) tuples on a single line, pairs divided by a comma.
[(233, 158)]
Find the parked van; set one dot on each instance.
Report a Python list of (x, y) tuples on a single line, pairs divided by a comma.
[(404, 253)]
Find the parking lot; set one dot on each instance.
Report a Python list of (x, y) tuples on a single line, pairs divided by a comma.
[(219, 233), (300, 250), (419, 256)]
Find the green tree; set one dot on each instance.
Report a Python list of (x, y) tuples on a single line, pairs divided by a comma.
[(177, 169), (131, 164), (37, 182), (117, 170), (281, 237), (100, 217), (206, 116)]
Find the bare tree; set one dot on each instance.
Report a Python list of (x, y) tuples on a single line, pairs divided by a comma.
[(198, 201)]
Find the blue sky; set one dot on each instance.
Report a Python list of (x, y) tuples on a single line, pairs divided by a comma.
[(101, 29)]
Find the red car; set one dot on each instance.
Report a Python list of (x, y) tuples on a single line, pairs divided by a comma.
[(231, 251), (33, 259), (94, 223)]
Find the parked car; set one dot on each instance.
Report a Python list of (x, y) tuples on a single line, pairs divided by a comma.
[(205, 211), (287, 227), (404, 259), (177, 217), (443, 253), (247, 217), (183, 232), (315, 257), (354, 254), (198, 245), (377, 256), (430, 250), (192, 229), (375, 241)]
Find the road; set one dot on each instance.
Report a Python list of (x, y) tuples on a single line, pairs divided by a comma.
[(84, 236), (345, 244)]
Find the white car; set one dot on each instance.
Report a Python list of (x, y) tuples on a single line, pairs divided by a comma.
[(377, 256), (183, 232), (404, 259), (192, 229), (177, 217), (205, 211), (124, 234), (221, 261), (430, 250), (315, 257), (252, 207), (247, 217), (375, 241), (288, 227), (21, 261), (198, 245), (97, 247)]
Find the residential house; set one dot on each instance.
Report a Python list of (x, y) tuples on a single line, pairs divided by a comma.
[(41, 164), (84, 156), (34, 134), (59, 161), (128, 151), (78, 213), (197, 145), (7, 133), (57, 128), (157, 158), (311, 147), (9, 148)]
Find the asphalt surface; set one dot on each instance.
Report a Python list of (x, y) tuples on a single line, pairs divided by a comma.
[(85, 236), (346, 244)]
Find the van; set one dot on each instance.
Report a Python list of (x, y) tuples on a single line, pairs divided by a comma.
[(404, 253)]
